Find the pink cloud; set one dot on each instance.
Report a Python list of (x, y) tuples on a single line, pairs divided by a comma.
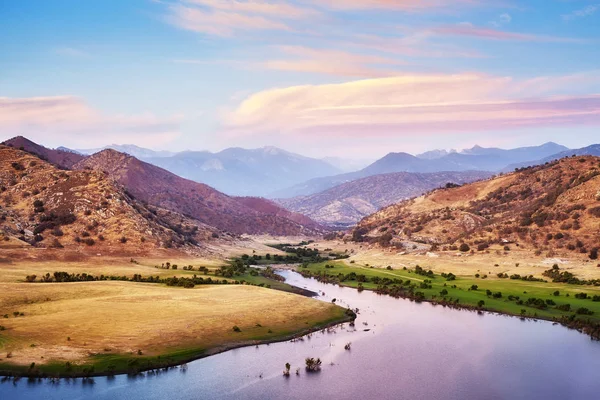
[(74, 122), (412, 104), (403, 5), (279, 9), (220, 23), (415, 44), (332, 62)]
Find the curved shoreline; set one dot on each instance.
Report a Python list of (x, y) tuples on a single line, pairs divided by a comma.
[(22, 371), (582, 328)]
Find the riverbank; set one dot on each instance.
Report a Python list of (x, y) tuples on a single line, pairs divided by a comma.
[(85, 329), (574, 306), (111, 365)]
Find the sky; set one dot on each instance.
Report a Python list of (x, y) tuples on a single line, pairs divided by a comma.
[(344, 78)]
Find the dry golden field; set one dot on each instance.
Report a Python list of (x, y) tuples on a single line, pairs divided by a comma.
[(516, 261), (77, 321)]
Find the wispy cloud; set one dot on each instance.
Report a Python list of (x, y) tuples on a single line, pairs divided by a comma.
[(221, 23), (332, 62), (470, 30), (272, 8), (503, 19), (399, 5), (71, 120), (407, 105), (581, 13)]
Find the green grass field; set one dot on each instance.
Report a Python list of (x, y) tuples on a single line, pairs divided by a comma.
[(460, 289)]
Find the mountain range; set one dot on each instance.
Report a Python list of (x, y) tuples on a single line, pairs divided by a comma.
[(235, 171), (197, 203), (188, 182), (474, 159)]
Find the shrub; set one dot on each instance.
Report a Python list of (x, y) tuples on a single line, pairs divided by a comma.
[(313, 365), (464, 248), (123, 239), (17, 166), (236, 328)]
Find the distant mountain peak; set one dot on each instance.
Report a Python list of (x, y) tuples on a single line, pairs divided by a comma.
[(272, 150)]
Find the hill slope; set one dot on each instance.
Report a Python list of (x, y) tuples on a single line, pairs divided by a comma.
[(552, 208), (348, 203), (161, 188), (61, 158), (43, 206)]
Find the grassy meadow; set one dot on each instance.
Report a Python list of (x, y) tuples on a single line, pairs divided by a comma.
[(462, 288), (106, 327)]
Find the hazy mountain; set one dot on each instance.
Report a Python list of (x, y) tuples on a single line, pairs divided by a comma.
[(348, 203), (61, 158), (474, 159), (68, 150), (131, 149), (435, 154), (244, 172), (593, 150), (544, 150)]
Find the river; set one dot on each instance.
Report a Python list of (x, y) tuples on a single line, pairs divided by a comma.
[(399, 350)]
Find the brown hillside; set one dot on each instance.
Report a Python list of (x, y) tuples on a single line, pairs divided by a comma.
[(63, 159), (161, 188), (554, 208), (43, 206)]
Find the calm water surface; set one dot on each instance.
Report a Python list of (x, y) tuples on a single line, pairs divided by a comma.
[(400, 350)]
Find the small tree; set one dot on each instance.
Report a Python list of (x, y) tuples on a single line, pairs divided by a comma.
[(286, 372)]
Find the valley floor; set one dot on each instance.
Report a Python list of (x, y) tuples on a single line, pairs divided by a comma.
[(104, 327)]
